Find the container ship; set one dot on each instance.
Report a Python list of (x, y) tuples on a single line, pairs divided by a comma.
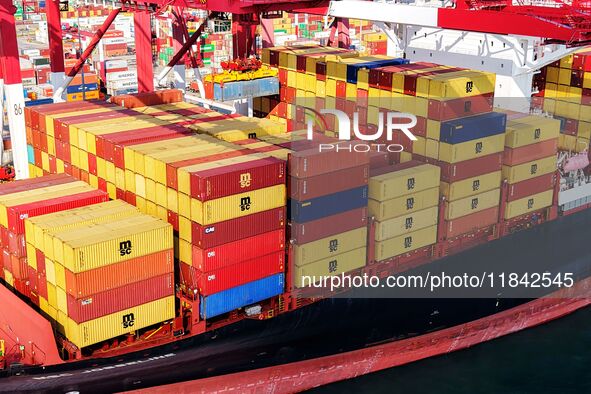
[(157, 241)]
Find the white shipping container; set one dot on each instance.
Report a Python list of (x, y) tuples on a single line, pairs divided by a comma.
[(31, 52), (123, 84), (115, 64), (121, 75)]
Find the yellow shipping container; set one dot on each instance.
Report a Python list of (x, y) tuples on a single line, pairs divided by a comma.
[(472, 204), (399, 183), (406, 224), (405, 243), (471, 186), (471, 149), (403, 205), (529, 170), (96, 245), (587, 80), (564, 76), (458, 84), (120, 323), (529, 204), (236, 205), (331, 266), (531, 129), (330, 246), (552, 74)]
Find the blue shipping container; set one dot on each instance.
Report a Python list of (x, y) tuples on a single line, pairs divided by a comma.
[(30, 154), (319, 207), (352, 69), (79, 88), (473, 127), (30, 103), (242, 89), (237, 297)]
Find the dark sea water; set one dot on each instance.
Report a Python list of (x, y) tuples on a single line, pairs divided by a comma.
[(552, 358)]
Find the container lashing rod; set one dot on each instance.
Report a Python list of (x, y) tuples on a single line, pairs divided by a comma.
[(57, 96)]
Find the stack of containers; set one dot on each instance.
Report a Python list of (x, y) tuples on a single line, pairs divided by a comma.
[(565, 89), (529, 164), (104, 271), (28, 198), (404, 200)]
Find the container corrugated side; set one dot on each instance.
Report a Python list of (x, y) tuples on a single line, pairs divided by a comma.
[(84, 284), (404, 205), (448, 109), (473, 127), (301, 233), (333, 182), (312, 162), (539, 150), (471, 186), (529, 204), (35, 183), (530, 130), (329, 246), (406, 181), (531, 186), (240, 296), (457, 84), (469, 223), (332, 204), (233, 252), (314, 272), (117, 299), (471, 149), (120, 323), (234, 275), (99, 245), (468, 205), (237, 205), (452, 172), (405, 243), (530, 169), (407, 223)]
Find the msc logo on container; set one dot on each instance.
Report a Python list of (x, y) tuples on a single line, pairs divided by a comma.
[(124, 248), (245, 203), (245, 180), (128, 320)]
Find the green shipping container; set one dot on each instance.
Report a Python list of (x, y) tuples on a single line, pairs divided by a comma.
[(208, 48)]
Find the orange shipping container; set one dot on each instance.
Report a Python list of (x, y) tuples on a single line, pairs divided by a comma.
[(469, 223)]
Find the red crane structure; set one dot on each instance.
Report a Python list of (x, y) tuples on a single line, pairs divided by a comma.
[(557, 21)]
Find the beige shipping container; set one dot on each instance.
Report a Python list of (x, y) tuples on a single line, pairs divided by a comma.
[(471, 186), (403, 182), (529, 204), (330, 246), (529, 170), (405, 243), (455, 153), (120, 323), (530, 130), (406, 224), (330, 266), (472, 204), (403, 205)]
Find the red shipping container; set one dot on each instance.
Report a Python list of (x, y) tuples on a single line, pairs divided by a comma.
[(34, 183), (531, 186), (22, 286), (569, 126), (6, 262), (523, 154), (443, 110), (470, 223), (19, 267), (312, 162), (207, 237), (233, 275), (40, 258), (120, 298), (329, 183), (244, 249), (33, 279), (468, 168), (94, 281), (302, 233), (16, 244)]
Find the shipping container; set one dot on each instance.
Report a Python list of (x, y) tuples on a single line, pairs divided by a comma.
[(249, 248), (529, 170), (301, 233), (241, 296), (117, 299), (468, 205), (406, 178), (531, 129), (234, 275), (457, 84), (332, 204), (316, 271), (526, 153), (469, 223), (312, 162), (472, 149), (403, 205), (449, 109), (471, 186), (209, 236), (529, 204), (531, 186), (405, 224), (472, 128), (235, 206), (329, 183), (329, 246), (405, 243), (120, 323), (452, 172)]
